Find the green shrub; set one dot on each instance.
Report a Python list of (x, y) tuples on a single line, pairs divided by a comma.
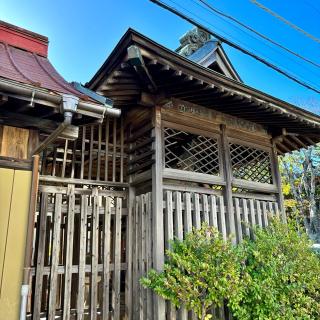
[(276, 276), (200, 272), (281, 275)]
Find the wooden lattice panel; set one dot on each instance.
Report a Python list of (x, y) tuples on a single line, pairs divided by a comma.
[(191, 152), (250, 164)]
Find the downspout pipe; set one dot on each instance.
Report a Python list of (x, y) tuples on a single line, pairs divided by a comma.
[(68, 108)]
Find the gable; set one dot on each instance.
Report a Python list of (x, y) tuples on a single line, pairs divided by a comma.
[(198, 46)]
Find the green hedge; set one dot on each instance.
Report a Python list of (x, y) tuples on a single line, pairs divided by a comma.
[(276, 276)]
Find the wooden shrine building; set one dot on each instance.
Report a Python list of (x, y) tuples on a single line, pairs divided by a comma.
[(193, 144)]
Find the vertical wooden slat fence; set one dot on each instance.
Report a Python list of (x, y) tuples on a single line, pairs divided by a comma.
[(142, 256), (91, 273), (183, 211), (97, 155)]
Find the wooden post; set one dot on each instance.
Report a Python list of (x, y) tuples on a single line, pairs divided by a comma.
[(129, 244), (277, 181), (130, 241), (228, 187), (157, 210), (69, 252)]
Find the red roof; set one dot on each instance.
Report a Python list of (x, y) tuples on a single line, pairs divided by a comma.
[(23, 39), (23, 58)]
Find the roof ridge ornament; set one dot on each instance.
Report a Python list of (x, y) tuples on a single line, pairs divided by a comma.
[(192, 41)]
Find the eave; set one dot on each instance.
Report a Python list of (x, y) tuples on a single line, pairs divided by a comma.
[(175, 76)]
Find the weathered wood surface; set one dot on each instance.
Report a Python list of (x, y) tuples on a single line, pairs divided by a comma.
[(90, 258), (127, 204), (142, 256), (183, 211), (157, 211), (14, 142), (98, 154)]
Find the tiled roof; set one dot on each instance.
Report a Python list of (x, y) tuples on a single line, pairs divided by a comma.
[(30, 68)]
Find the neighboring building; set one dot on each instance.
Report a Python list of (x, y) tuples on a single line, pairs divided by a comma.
[(37, 106), (193, 144)]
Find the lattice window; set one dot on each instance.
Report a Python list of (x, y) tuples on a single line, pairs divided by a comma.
[(191, 152), (250, 164)]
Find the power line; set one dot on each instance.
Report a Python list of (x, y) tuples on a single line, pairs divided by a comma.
[(253, 36), (311, 5), (191, 13), (233, 45), (242, 43), (287, 22), (257, 33), (235, 40)]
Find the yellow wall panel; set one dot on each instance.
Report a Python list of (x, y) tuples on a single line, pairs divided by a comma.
[(6, 181), (17, 217)]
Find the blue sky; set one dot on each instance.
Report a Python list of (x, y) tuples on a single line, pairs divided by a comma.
[(83, 33)]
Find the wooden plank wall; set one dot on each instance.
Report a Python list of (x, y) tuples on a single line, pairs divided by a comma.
[(184, 211), (80, 257)]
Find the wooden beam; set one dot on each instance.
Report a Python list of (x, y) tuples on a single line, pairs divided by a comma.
[(118, 87), (287, 141), (25, 121), (3, 99), (14, 163), (189, 93), (255, 186), (119, 81), (298, 141), (174, 174), (312, 142), (121, 92), (123, 74), (136, 60), (282, 147)]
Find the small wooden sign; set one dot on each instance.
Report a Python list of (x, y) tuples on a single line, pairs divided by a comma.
[(213, 115)]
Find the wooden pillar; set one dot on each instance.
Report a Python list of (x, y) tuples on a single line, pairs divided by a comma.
[(228, 179), (157, 210), (277, 180), (130, 242)]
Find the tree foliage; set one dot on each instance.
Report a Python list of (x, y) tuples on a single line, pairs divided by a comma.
[(300, 176), (300, 180)]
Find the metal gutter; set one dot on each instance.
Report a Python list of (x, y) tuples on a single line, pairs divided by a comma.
[(94, 110)]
